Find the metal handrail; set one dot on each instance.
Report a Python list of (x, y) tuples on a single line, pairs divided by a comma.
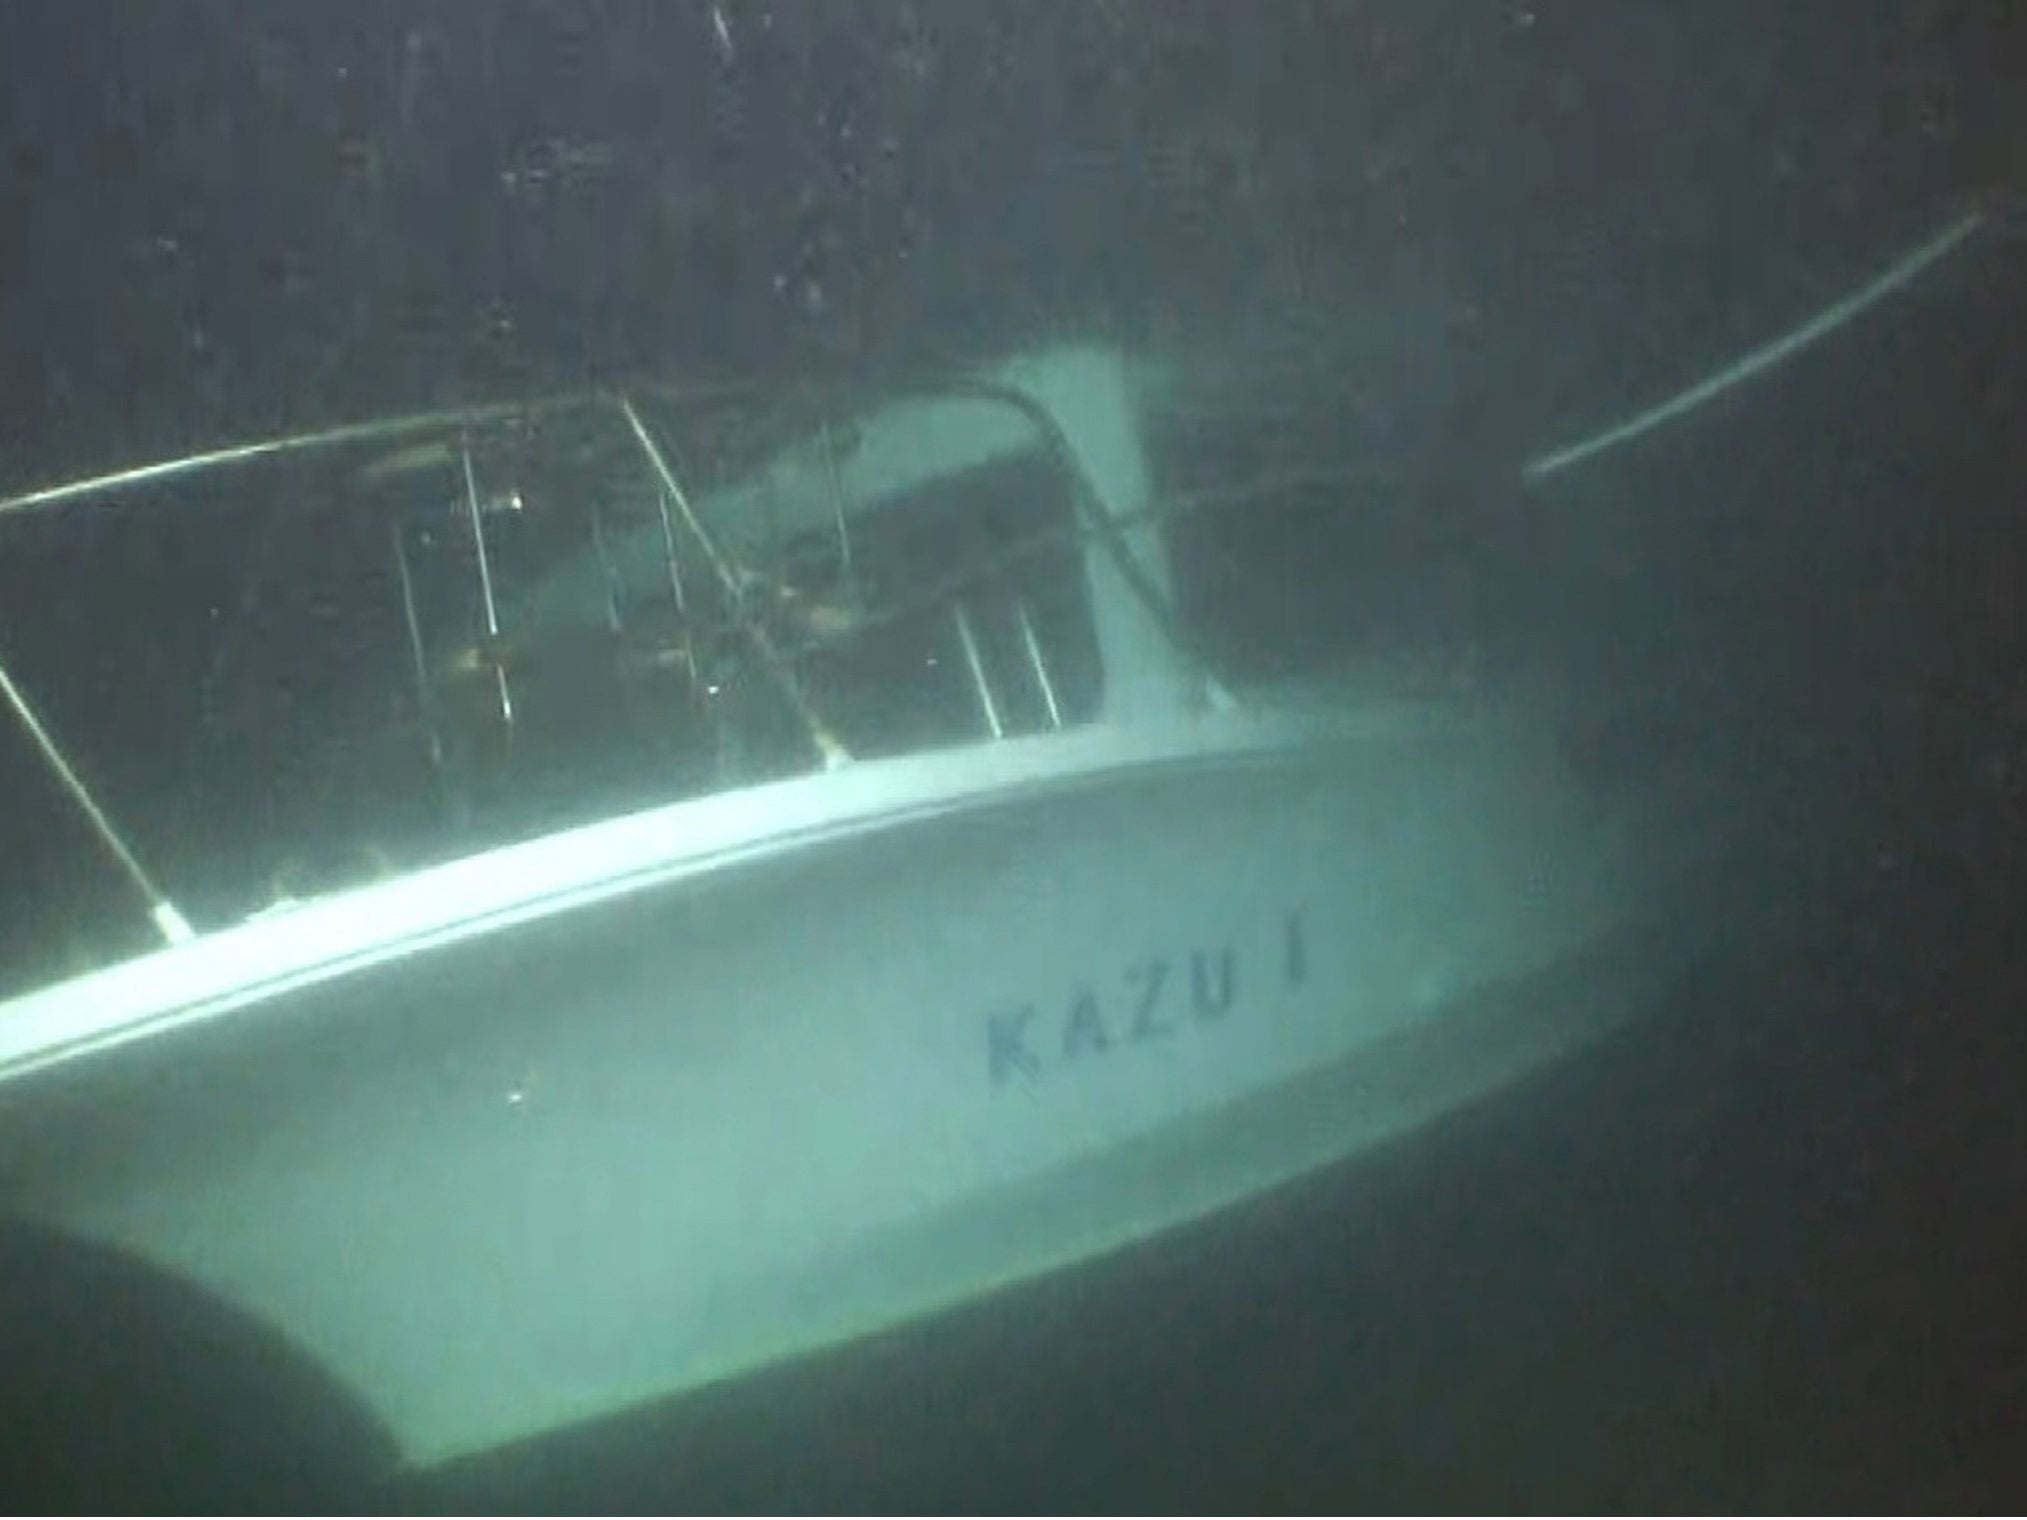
[(169, 922), (1091, 523), (1101, 525), (974, 664), (368, 430), (487, 604), (828, 746)]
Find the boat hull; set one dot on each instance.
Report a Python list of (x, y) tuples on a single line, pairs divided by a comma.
[(587, 1155)]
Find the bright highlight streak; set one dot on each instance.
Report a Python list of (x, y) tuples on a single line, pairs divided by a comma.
[(1761, 360)]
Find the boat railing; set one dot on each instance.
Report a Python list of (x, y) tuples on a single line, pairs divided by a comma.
[(797, 636)]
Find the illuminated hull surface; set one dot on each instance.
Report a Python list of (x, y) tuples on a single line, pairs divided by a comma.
[(536, 1136)]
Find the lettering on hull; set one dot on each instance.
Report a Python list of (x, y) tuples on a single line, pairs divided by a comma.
[(1156, 998)]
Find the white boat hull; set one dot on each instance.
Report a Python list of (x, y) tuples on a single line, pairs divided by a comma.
[(831, 1063)]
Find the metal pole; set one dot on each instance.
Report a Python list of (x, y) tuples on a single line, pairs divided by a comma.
[(1035, 662), (1763, 358), (169, 923), (682, 603), (976, 666), (425, 701), (339, 436), (833, 752), (606, 570), (830, 468), (492, 610)]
